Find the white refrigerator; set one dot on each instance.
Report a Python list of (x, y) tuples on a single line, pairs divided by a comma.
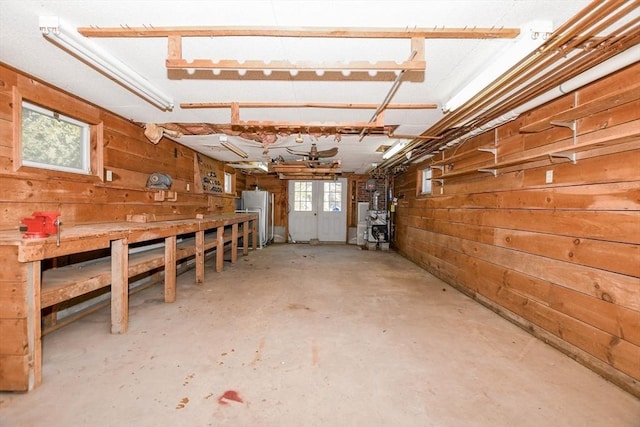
[(261, 202)]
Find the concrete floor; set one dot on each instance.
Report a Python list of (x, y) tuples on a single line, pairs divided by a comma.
[(301, 335)]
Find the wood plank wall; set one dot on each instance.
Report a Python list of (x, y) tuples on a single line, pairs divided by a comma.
[(89, 199), (562, 259)]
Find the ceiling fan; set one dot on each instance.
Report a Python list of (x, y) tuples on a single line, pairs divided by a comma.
[(314, 153)]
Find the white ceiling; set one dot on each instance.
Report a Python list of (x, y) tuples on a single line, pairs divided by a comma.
[(450, 63)]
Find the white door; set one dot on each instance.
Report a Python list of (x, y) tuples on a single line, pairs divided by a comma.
[(318, 210)]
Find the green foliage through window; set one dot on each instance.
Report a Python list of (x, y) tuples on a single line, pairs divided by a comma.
[(53, 141)]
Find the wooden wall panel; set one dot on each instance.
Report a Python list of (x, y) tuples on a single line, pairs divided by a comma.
[(85, 199), (562, 259), (13, 372)]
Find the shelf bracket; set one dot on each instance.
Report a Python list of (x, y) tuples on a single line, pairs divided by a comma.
[(570, 156), (493, 151), (569, 125), (493, 172)]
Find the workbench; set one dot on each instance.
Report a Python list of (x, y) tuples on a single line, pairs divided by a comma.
[(25, 288)]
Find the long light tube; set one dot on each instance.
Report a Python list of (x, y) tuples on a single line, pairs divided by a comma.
[(103, 61), (395, 148), (531, 38), (237, 150)]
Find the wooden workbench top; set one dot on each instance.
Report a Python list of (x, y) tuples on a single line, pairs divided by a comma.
[(87, 237)]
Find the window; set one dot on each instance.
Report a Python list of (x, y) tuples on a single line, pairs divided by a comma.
[(53, 141), (332, 197), (302, 196), (228, 182), (425, 187)]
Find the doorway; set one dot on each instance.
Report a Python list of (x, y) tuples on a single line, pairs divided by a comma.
[(318, 210)]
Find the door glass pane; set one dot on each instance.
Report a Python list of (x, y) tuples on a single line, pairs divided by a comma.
[(303, 196), (332, 200)]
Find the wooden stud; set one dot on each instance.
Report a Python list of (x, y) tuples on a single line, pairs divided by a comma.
[(170, 268), (34, 331), (220, 248), (367, 33), (119, 286), (254, 233), (200, 256), (245, 238), (234, 243), (174, 46)]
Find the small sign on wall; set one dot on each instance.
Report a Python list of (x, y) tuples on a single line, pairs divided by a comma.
[(209, 175)]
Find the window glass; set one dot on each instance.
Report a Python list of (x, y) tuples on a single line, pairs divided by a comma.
[(228, 183), (332, 197), (53, 141), (302, 196), (426, 181)]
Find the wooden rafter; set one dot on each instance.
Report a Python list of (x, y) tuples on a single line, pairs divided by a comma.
[(417, 62), (331, 105), (307, 169), (320, 32)]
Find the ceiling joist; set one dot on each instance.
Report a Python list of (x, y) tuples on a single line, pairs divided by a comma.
[(311, 32), (176, 61), (417, 62), (330, 105)]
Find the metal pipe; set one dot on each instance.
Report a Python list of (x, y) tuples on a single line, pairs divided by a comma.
[(526, 82), (387, 99)]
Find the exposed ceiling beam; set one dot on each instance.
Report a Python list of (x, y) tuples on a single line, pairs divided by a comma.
[(332, 105), (320, 32)]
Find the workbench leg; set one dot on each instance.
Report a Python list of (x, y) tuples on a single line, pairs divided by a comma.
[(254, 233), (119, 286), (170, 269), (234, 243), (219, 248), (200, 256), (34, 330), (245, 238)]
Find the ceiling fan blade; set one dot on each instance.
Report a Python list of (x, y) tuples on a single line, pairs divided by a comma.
[(297, 153), (328, 153)]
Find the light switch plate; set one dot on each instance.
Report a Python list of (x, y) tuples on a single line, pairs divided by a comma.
[(549, 177)]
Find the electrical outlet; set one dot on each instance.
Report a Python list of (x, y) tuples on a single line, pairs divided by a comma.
[(549, 177), (108, 176), (188, 187)]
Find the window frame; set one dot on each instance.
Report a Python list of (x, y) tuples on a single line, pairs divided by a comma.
[(297, 202), (423, 179), (326, 203), (85, 129), (74, 108)]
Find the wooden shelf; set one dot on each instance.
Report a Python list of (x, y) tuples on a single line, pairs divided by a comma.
[(616, 135), (463, 155), (625, 132), (622, 96)]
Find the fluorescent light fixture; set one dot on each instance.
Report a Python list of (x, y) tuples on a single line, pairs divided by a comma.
[(397, 146), (250, 165), (98, 58), (532, 36), (237, 150)]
